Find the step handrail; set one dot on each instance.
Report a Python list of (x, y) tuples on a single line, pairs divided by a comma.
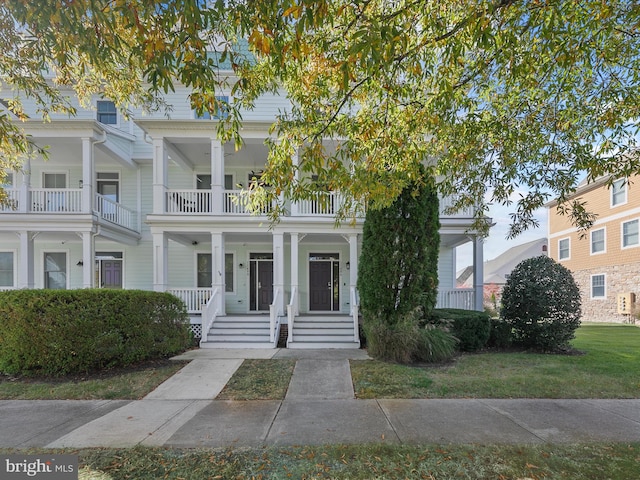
[(274, 316), (355, 304), (292, 311), (209, 313)]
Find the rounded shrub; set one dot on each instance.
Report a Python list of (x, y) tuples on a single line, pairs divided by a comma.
[(541, 303), (58, 332)]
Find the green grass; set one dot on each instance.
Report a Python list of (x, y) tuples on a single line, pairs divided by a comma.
[(126, 385), (608, 369), (259, 380), (359, 462)]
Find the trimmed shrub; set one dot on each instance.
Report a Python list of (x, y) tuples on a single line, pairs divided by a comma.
[(470, 327), (500, 336), (407, 341), (58, 332), (541, 302)]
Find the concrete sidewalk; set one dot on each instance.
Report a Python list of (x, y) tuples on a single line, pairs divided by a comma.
[(319, 408)]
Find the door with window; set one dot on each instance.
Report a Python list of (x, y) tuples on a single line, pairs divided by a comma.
[(55, 270), (53, 200), (108, 187), (324, 282), (260, 281)]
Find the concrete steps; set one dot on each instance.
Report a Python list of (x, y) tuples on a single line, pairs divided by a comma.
[(238, 332), (323, 331)]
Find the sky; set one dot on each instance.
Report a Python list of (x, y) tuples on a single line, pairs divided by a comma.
[(497, 243)]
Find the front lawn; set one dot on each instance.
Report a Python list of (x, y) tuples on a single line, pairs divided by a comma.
[(608, 369)]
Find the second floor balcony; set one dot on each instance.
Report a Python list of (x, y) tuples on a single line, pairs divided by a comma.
[(65, 201)]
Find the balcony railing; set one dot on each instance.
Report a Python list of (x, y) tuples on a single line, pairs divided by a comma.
[(194, 298), (462, 298), (12, 201), (115, 212), (325, 204), (56, 200), (189, 201), (447, 202)]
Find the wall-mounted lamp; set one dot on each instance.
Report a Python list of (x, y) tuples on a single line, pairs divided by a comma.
[(241, 265), (80, 184), (348, 265), (80, 263)]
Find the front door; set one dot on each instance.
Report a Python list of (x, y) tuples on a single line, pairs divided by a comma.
[(324, 282), (111, 274), (261, 281)]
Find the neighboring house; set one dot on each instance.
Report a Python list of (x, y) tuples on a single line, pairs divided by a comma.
[(497, 271), (150, 203), (605, 262)]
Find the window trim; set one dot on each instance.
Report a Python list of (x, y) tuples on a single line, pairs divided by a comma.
[(604, 286), (14, 280), (622, 224), (604, 241), (44, 263), (568, 257), (624, 184), (117, 122)]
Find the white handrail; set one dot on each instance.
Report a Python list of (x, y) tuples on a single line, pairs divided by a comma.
[(209, 313), (355, 305), (292, 311), (115, 212), (273, 316)]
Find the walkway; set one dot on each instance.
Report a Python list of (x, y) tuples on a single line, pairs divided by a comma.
[(319, 408)]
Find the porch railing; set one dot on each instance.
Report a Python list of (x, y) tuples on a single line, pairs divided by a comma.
[(194, 298), (56, 200), (462, 298), (115, 212), (209, 314), (188, 201), (11, 203), (446, 202), (235, 203), (292, 311), (274, 317), (325, 203), (355, 305)]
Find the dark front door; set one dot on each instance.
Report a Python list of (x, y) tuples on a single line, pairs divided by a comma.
[(111, 274), (324, 282), (261, 280)]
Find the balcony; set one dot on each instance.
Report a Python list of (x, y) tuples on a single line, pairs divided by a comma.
[(59, 201)]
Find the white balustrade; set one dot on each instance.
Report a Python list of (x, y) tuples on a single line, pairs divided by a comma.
[(56, 200), (462, 298), (11, 202), (194, 298), (115, 212), (192, 202), (292, 311), (325, 204), (355, 305), (446, 202)]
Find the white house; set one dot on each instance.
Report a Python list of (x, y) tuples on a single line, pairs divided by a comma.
[(149, 203)]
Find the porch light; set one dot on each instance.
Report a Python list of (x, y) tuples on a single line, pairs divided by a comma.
[(241, 265), (80, 263), (348, 265), (80, 183)]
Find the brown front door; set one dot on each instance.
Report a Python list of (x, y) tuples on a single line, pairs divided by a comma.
[(324, 282), (111, 274), (261, 281)]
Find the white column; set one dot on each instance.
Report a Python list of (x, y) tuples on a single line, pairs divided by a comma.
[(87, 175), (25, 271), (88, 256), (478, 274), (278, 269), (217, 177), (218, 277), (160, 177), (24, 203), (353, 260), (160, 261)]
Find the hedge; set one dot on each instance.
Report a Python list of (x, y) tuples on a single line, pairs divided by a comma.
[(58, 332), (470, 327)]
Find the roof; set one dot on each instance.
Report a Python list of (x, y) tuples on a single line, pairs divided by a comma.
[(498, 269)]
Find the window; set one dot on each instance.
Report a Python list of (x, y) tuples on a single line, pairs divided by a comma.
[(205, 270), (630, 233), (564, 251), (6, 269), (618, 192), (55, 270), (107, 112), (221, 111), (598, 289), (597, 241), (8, 180), (203, 182), (54, 180), (108, 185)]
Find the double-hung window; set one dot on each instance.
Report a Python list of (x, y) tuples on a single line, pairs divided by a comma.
[(564, 249), (630, 233), (7, 270), (55, 270), (598, 286), (618, 192), (107, 112), (598, 244), (205, 271)]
